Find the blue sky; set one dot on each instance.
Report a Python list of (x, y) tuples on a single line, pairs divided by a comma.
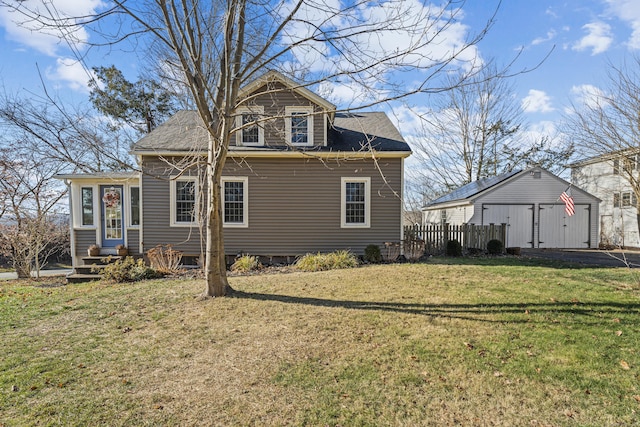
[(580, 36)]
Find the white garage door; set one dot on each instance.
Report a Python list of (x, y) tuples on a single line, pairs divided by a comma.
[(519, 219), (558, 230)]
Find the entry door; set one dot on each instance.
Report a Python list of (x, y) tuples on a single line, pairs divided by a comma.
[(112, 218)]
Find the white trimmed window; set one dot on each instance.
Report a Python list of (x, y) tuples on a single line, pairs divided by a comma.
[(87, 207), (299, 126), (251, 130), (184, 201), (356, 202), (624, 199), (235, 202), (134, 206)]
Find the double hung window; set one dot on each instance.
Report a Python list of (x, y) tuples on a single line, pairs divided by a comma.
[(356, 195), (184, 201), (235, 203), (250, 128), (299, 126), (624, 199)]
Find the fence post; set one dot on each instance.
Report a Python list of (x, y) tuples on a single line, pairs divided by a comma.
[(445, 232), (492, 232), (503, 235)]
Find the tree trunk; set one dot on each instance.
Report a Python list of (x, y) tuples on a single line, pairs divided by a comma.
[(21, 266), (638, 218), (215, 261)]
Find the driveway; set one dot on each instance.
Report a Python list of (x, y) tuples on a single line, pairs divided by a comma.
[(613, 258), (60, 272)]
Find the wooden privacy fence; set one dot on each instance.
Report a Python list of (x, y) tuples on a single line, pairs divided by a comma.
[(470, 236)]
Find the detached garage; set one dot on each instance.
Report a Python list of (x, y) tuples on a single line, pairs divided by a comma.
[(528, 201)]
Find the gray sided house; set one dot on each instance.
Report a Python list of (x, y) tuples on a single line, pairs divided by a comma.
[(528, 202), (299, 177)]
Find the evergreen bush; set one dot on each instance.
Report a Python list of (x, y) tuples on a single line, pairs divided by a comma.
[(372, 254), (494, 247), (128, 270), (454, 248)]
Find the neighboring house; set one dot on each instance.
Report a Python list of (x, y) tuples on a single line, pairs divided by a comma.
[(604, 176), (299, 177), (528, 202)]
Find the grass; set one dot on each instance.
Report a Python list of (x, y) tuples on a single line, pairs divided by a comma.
[(450, 342)]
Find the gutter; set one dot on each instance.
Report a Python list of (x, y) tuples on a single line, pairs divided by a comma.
[(338, 155)]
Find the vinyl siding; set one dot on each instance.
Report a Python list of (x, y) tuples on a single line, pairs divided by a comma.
[(527, 190), (618, 225), (274, 106), (84, 239), (294, 207), (133, 241)]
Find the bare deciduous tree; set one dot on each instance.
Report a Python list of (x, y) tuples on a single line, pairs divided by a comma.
[(52, 130), (221, 46), (474, 131), (606, 123), (31, 230)]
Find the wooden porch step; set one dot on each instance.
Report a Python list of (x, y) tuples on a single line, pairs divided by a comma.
[(82, 278), (89, 268), (100, 259), (87, 272)]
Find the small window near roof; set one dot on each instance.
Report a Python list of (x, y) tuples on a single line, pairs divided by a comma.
[(250, 129), (537, 174), (299, 126)]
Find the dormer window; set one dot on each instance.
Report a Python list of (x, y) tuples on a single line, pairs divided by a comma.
[(251, 130), (299, 126)]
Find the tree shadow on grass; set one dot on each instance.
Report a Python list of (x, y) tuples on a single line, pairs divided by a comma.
[(550, 258), (515, 261), (490, 312)]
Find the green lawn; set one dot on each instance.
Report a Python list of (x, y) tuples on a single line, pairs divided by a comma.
[(469, 342)]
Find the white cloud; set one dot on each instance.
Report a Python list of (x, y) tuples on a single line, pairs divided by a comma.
[(47, 41), (408, 34), (537, 102), (598, 38), (71, 72), (551, 34), (628, 11), (588, 95), (549, 11)]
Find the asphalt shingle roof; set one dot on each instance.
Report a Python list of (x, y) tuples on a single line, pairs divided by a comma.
[(184, 132)]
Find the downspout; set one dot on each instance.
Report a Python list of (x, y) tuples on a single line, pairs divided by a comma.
[(141, 225), (402, 206)]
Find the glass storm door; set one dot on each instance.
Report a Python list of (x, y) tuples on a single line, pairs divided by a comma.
[(112, 219)]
